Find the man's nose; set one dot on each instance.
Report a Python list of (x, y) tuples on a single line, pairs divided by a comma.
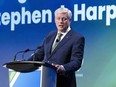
[(61, 21)]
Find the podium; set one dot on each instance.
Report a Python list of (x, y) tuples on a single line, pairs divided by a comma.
[(31, 74)]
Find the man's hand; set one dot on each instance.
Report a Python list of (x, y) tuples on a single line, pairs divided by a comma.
[(60, 68)]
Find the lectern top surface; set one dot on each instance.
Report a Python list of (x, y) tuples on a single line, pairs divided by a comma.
[(25, 66)]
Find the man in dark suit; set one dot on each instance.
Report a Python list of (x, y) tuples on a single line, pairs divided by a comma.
[(63, 49)]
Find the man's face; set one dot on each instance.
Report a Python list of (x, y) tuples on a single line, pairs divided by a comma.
[(62, 22)]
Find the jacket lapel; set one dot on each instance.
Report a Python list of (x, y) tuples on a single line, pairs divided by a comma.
[(50, 44), (62, 42)]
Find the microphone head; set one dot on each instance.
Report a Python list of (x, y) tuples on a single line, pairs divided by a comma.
[(38, 47), (27, 50), (57, 40)]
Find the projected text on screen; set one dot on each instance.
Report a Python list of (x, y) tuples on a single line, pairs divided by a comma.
[(91, 13)]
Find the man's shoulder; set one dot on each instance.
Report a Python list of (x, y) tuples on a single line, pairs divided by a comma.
[(76, 34), (52, 33)]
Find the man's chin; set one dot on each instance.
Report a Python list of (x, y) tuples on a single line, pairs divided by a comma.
[(60, 29)]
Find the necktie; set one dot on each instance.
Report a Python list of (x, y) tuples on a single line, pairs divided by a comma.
[(57, 41)]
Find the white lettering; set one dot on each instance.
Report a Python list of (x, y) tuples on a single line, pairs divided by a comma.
[(24, 14), (91, 13), (15, 19), (110, 13), (5, 18), (36, 16), (100, 13), (45, 16), (77, 12), (44, 13)]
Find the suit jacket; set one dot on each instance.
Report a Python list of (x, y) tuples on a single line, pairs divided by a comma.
[(69, 53)]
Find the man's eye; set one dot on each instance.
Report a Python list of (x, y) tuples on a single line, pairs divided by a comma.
[(63, 19)]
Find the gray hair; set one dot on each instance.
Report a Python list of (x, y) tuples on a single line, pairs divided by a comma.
[(63, 10)]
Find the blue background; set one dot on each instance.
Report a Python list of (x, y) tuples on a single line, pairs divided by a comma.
[(98, 69)]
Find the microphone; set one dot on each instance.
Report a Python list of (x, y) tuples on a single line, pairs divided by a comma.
[(33, 57), (34, 50), (27, 50), (20, 52), (57, 40)]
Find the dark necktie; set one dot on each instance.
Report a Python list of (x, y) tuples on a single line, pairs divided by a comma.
[(57, 41)]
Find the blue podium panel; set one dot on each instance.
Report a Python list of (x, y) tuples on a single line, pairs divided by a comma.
[(49, 76), (31, 79)]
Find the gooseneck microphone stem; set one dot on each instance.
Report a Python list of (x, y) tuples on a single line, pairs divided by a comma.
[(24, 53), (27, 50), (20, 52), (35, 52)]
